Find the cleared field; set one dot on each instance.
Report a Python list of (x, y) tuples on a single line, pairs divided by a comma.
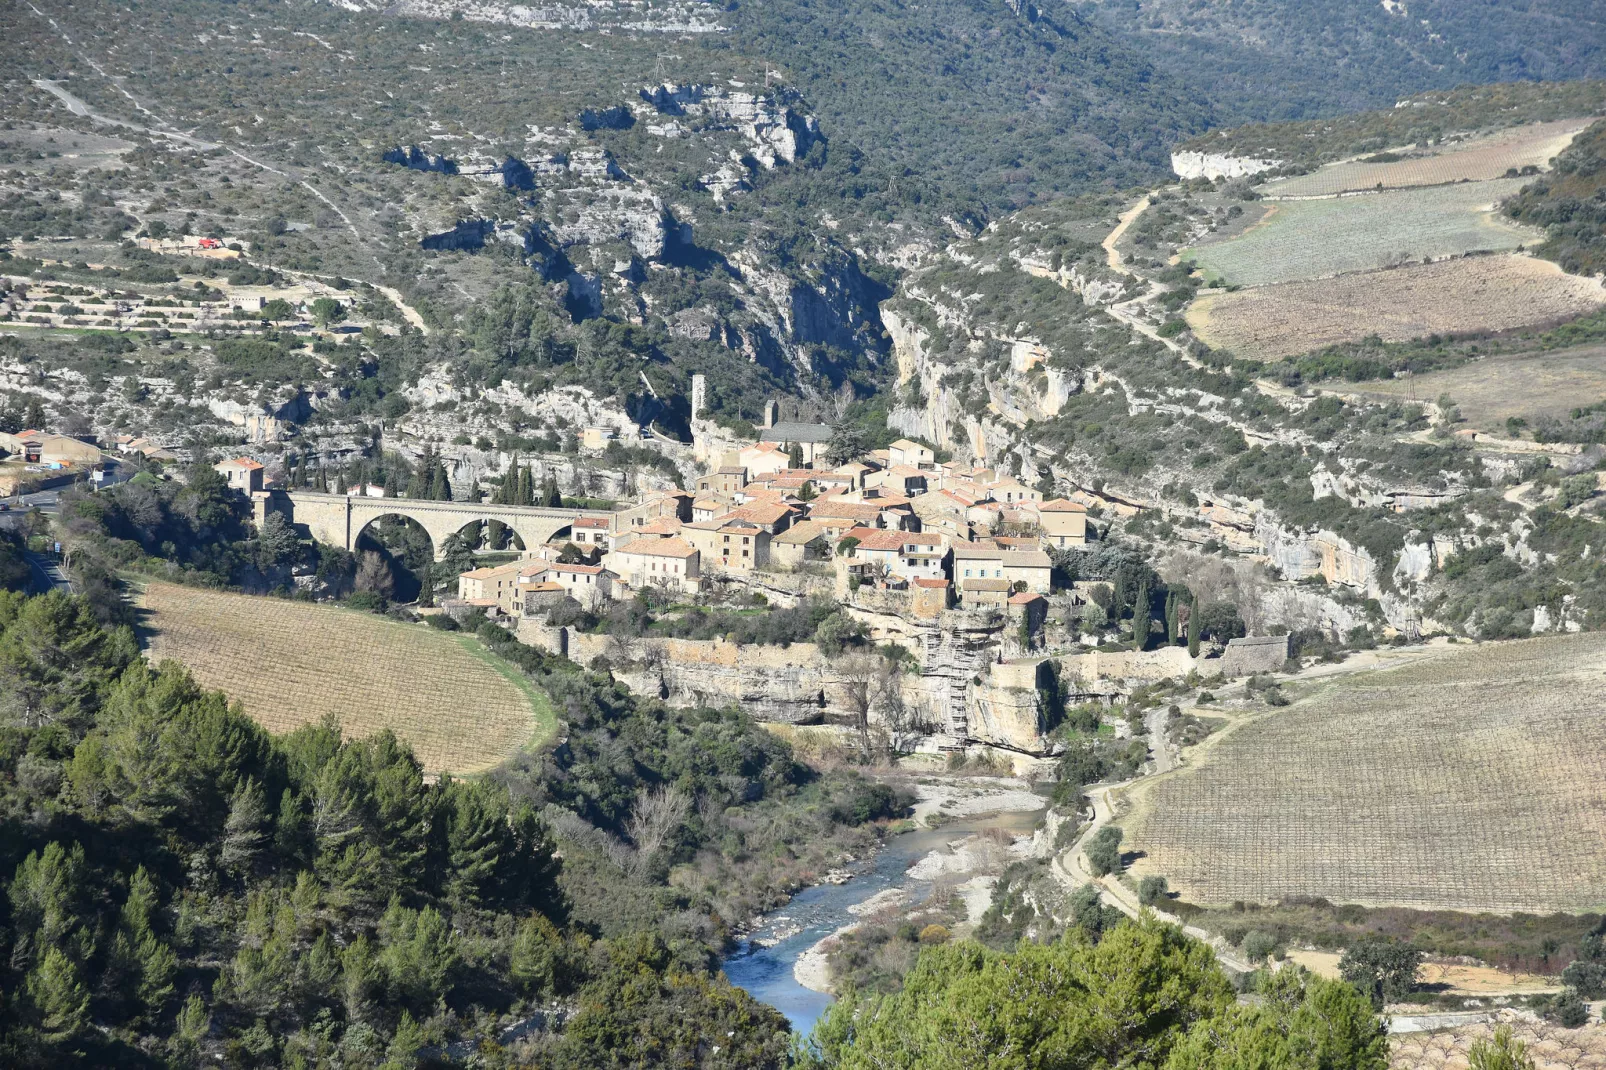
[(1482, 293), (1334, 235), (289, 663), (1476, 160), (1529, 385), (1471, 780)]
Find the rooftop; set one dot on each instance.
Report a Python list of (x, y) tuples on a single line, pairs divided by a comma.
[(658, 548), (792, 431)]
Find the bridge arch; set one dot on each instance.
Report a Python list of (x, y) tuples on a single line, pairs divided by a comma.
[(339, 519)]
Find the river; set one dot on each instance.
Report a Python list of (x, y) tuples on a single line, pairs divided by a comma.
[(815, 913)]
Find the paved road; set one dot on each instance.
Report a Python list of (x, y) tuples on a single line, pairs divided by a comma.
[(1155, 720), (47, 574)]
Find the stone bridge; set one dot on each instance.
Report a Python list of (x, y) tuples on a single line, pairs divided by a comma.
[(340, 519)]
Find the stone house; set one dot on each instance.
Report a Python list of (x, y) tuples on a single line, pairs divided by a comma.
[(729, 543), (979, 562), (789, 550), (981, 593), (899, 479), (590, 585), (1063, 523), (1030, 607), (762, 459), (589, 531), (1031, 567), (242, 473), (773, 517), (930, 598), (666, 503), (726, 479), (905, 554), (496, 584), (913, 454), (648, 561)]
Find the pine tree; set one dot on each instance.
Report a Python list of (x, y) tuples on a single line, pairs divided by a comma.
[(1193, 627), (243, 836), (1140, 616), (60, 1002)]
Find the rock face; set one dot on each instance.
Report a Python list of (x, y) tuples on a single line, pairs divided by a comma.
[(617, 117), (413, 157), (465, 234), (1217, 165), (775, 130)]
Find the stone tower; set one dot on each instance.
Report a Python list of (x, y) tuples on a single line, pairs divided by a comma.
[(699, 396)]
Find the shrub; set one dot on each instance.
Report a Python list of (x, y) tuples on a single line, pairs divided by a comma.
[(1258, 945), (934, 934), (1104, 852), (1152, 890)]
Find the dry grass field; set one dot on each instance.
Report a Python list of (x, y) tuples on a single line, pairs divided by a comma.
[(1482, 293), (289, 663), (1474, 779), (1334, 235), (1475, 160), (1551, 1046), (1527, 385)]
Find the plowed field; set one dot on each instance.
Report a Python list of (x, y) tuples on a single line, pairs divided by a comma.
[(1484, 293), (1472, 780)]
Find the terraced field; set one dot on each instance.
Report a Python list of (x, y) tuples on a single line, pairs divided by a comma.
[(1473, 780), (1477, 160), (1336, 235), (1533, 386), (290, 663), (1482, 293)]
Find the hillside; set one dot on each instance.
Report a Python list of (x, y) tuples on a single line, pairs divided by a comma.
[(1327, 57), (1570, 204)]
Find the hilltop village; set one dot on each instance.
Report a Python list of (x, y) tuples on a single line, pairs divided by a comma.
[(911, 598)]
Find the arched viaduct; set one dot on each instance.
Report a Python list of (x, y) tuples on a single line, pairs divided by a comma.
[(339, 519)]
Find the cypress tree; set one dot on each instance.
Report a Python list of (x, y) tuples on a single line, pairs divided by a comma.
[(1171, 618), (476, 493), (323, 480), (1193, 627), (1140, 616)]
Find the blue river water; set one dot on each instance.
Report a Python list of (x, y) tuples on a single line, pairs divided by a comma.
[(766, 972)]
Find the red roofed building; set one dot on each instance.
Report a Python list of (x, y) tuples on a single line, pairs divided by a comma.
[(242, 473)]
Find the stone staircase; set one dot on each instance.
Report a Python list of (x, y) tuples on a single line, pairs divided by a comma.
[(956, 662)]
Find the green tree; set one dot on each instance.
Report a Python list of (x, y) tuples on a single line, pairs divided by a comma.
[(1301, 1023), (457, 555), (1382, 969), (1152, 891), (1193, 627), (794, 455), (848, 442), (1140, 615), (1104, 851), (327, 311), (58, 999), (276, 542), (277, 310), (1501, 1052), (1125, 1000)]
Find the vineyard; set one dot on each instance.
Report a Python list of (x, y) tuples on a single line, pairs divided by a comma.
[(1482, 293), (1472, 161), (1334, 235), (1472, 780), (1551, 1046), (290, 663)]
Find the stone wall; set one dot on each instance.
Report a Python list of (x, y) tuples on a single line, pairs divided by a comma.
[(1168, 661), (799, 685), (1255, 653)]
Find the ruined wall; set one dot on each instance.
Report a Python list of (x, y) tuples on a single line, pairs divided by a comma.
[(1169, 661), (1252, 654)]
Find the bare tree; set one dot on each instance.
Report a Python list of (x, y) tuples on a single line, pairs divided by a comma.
[(373, 574), (657, 813)]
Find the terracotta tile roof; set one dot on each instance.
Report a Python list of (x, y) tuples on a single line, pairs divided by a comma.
[(1024, 598), (923, 582), (245, 462), (1060, 505), (761, 512), (844, 511), (658, 548), (663, 525), (560, 566), (590, 522), (802, 532)]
